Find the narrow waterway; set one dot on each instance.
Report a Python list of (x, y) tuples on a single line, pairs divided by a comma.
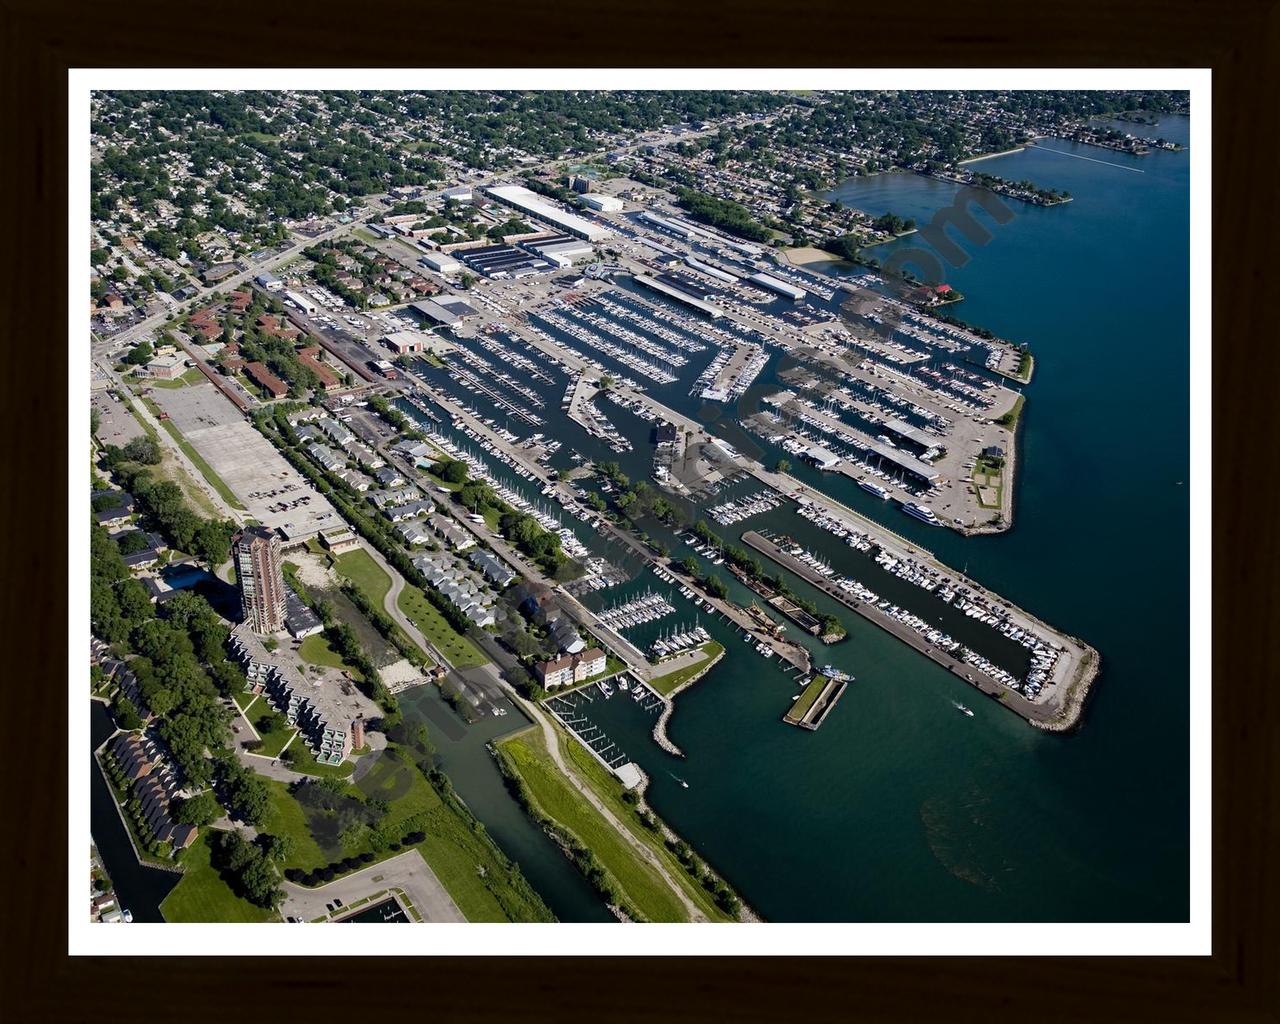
[(140, 889)]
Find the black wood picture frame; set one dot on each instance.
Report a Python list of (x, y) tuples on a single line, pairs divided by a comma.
[(1238, 39)]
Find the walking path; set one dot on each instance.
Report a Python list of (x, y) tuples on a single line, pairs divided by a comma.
[(551, 739)]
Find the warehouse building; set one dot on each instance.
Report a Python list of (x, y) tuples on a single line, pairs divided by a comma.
[(531, 203), (501, 262), (561, 250), (710, 271), (596, 201), (440, 263), (301, 301), (404, 342), (781, 287), (679, 295)]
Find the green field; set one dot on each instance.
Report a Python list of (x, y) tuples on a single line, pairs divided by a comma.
[(805, 701), (273, 741), (192, 376), (668, 683), (460, 651), (641, 884), (359, 567), (285, 817), (202, 896), (484, 884), (315, 650)]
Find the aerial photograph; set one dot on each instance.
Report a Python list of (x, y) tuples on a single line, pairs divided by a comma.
[(598, 506)]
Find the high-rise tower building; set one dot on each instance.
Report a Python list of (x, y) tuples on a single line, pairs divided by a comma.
[(258, 572)]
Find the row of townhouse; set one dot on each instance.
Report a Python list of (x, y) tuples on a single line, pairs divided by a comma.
[(154, 783), (466, 595)]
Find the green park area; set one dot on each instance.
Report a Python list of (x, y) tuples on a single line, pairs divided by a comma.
[(460, 651), (340, 819), (273, 728), (315, 650), (201, 895), (988, 481), (640, 884), (192, 376), (669, 683)]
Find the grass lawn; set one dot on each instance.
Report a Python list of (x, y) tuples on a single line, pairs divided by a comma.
[(988, 477), (305, 762), (215, 481), (359, 567), (666, 684), (243, 699), (485, 885), (273, 740), (642, 885), (460, 651), (192, 376), (315, 650), (202, 896), (805, 701), (285, 817)]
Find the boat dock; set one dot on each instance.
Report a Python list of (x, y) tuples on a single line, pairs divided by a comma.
[(1034, 712)]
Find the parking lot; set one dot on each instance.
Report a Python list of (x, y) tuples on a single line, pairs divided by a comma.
[(197, 406), (116, 425)]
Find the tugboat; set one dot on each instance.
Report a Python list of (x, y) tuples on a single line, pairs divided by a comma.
[(967, 712)]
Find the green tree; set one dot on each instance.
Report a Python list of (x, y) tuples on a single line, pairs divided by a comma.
[(141, 353), (198, 810), (142, 449)]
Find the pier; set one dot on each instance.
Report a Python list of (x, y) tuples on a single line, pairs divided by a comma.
[(1049, 712)]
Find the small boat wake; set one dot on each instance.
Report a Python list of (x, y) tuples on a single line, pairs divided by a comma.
[(678, 779)]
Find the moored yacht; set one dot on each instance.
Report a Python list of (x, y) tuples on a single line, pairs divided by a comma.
[(922, 512)]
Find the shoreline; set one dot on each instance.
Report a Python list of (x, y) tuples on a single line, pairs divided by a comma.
[(990, 156), (660, 736)]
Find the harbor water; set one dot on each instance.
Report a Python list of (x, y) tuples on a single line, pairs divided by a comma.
[(899, 808)]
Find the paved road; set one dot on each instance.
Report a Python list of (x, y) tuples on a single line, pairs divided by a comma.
[(391, 605), (408, 871)]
